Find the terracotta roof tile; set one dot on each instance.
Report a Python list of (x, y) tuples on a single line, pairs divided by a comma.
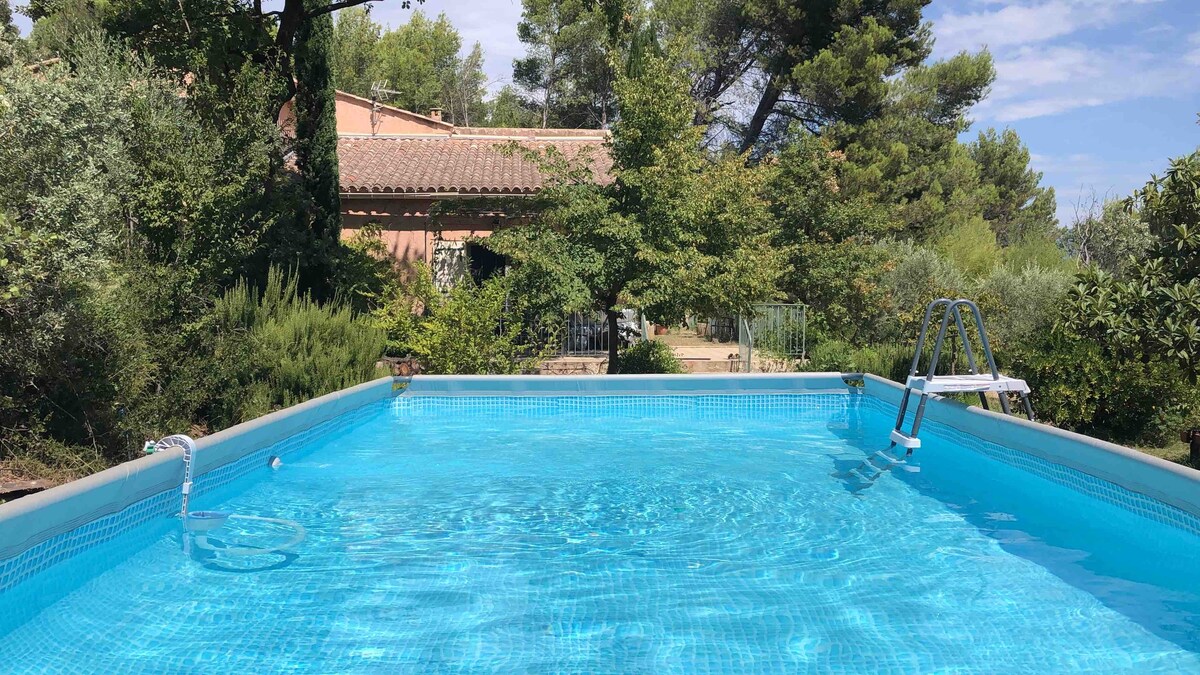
[(459, 164)]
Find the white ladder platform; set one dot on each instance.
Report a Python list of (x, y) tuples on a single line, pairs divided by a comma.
[(966, 383)]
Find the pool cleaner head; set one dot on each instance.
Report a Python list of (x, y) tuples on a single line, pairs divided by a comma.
[(205, 521)]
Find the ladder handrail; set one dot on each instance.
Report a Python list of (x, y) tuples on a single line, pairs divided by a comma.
[(921, 337), (952, 309)]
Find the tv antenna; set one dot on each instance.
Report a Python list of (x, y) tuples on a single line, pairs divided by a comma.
[(379, 89)]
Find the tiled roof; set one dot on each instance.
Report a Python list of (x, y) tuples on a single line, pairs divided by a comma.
[(467, 161)]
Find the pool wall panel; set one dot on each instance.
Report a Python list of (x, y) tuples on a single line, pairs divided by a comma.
[(1165, 481), (43, 529), (29, 521), (230, 445)]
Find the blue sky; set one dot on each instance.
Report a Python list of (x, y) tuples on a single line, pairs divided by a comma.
[(1102, 91)]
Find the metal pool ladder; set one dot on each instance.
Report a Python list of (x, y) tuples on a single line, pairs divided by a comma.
[(930, 383)]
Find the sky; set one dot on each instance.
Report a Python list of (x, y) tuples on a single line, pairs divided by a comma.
[(1103, 92)]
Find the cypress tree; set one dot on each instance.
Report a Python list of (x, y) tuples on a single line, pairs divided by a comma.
[(316, 141)]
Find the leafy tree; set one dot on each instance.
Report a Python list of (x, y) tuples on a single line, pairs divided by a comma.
[(355, 37), (463, 90), (508, 109), (416, 59), (674, 232), (216, 39), (9, 37), (1016, 207), (908, 155), (823, 62), (830, 237), (1153, 312)]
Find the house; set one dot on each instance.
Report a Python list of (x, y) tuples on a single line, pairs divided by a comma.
[(396, 165)]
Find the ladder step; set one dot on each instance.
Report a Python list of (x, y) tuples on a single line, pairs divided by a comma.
[(859, 477), (904, 440), (867, 468), (888, 460)]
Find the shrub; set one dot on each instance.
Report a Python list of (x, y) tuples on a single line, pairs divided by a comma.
[(1020, 305), (279, 347), (1077, 386), (830, 355), (467, 332), (649, 357)]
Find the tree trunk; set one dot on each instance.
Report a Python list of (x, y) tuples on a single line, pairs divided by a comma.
[(614, 339), (550, 66), (766, 106)]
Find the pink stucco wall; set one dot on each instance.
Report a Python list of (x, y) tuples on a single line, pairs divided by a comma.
[(408, 232), (354, 117)]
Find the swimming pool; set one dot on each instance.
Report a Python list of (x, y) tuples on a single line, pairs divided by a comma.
[(466, 532)]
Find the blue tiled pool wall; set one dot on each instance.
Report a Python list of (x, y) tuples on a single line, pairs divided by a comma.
[(164, 504), (701, 407), (223, 475), (71, 543), (1094, 487)]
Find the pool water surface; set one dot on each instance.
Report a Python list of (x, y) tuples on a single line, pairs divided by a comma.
[(627, 534)]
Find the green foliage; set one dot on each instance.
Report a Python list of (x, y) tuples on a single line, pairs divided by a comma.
[(468, 332), (316, 141), (1021, 304), (508, 109), (650, 357), (279, 347), (9, 36), (676, 231), (889, 359), (419, 61), (970, 245), (1152, 312), (1109, 236), (403, 308), (908, 156), (1079, 385), (355, 38), (1016, 207), (126, 210), (567, 69), (823, 63)]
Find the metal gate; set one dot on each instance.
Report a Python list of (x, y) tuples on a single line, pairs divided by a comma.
[(776, 330)]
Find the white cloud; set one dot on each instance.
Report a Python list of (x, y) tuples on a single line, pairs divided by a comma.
[(1192, 57), (1025, 23), (1054, 56), (1039, 81)]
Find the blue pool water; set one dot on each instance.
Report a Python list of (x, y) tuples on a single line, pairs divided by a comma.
[(627, 535)]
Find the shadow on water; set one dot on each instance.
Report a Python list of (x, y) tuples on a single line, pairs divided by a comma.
[(1132, 565), (217, 563)]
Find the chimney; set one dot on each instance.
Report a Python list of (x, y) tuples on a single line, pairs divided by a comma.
[(435, 114)]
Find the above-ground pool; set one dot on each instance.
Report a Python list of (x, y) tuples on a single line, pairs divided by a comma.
[(628, 533)]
